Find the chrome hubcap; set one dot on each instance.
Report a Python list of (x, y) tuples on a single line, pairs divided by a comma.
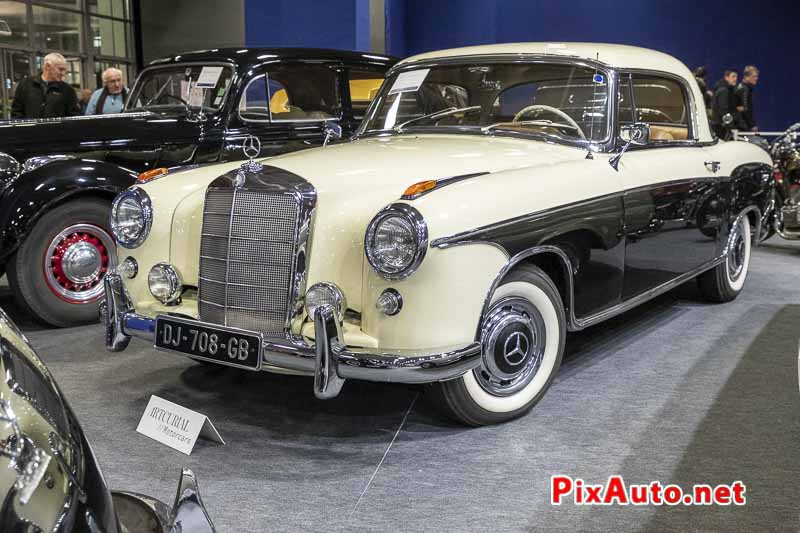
[(513, 338), (76, 261), (81, 262), (737, 253)]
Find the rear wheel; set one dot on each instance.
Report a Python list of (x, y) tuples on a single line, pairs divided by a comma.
[(522, 342), (724, 282), (57, 273)]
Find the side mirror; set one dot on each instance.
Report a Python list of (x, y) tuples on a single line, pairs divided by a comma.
[(333, 130), (637, 133), (727, 119)]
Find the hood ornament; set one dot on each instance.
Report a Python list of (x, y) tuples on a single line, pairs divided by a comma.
[(251, 148)]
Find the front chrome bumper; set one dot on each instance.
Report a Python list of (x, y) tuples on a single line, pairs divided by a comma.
[(330, 361)]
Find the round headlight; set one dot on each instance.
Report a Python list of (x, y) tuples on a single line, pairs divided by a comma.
[(325, 293), (131, 217), (396, 241), (165, 283)]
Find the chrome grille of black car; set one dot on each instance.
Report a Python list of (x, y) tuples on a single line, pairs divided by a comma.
[(247, 259)]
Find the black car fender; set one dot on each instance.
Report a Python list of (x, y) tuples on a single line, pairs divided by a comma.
[(35, 192)]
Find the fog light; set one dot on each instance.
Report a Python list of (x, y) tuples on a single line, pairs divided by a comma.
[(325, 293), (389, 302), (164, 283), (128, 268)]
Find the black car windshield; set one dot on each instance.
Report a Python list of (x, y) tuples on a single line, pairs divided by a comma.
[(181, 86), (556, 100)]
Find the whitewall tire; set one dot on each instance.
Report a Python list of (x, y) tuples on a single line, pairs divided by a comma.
[(724, 282), (522, 342)]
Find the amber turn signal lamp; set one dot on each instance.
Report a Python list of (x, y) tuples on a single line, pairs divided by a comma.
[(419, 188), (144, 177)]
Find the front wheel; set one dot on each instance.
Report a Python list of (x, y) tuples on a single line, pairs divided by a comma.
[(57, 272), (522, 342), (724, 282)]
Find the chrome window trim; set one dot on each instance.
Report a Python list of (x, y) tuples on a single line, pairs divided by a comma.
[(167, 66), (420, 234), (147, 214), (607, 145), (688, 100)]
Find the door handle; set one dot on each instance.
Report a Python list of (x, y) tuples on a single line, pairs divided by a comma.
[(713, 166)]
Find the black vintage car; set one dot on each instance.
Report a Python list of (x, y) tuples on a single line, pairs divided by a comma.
[(60, 175), (49, 476)]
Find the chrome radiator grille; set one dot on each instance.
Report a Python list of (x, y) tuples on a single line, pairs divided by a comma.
[(247, 259)]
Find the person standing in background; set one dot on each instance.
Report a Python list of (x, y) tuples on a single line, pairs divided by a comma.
[(723, 105), (46, 95), (111, 98), (700, 76), (745, 116), (83, 99)]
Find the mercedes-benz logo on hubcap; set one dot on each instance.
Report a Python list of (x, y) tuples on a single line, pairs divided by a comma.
[(251, 147), (515, 349)]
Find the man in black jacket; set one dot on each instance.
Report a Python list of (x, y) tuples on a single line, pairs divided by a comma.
[(46, 95), (723, 105), (746, 116)]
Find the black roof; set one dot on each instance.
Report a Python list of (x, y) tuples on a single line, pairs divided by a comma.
[(248, 57)]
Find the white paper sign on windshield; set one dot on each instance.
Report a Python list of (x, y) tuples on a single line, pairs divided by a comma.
[(209, 77), (409, 82), (176, 426)]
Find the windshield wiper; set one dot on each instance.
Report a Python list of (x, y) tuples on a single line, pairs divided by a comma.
[(437, 114)]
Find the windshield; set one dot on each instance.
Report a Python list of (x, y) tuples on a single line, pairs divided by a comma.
[(558, 101), (182, 86)]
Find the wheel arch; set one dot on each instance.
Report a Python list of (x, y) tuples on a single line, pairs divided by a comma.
[(551, 258), (52, 185)]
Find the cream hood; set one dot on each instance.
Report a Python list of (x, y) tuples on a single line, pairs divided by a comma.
[(353, 182)]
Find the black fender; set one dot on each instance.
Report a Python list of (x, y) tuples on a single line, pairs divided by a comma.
[(34, 193)]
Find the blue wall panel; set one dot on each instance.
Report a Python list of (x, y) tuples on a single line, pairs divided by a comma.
[(340, 24), (718, 33)]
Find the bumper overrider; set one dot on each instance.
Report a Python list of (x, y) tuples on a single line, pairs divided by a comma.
[(330, 361)]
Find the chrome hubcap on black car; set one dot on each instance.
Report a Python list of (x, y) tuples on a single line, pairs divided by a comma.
[(737, 254), (76, 261), (512, 343)]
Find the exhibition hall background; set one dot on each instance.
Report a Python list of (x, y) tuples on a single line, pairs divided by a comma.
[(718, 33)]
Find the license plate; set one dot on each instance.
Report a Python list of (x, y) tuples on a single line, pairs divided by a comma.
[(218, 344)]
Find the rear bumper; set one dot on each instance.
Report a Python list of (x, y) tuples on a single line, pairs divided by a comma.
[(328, 359)]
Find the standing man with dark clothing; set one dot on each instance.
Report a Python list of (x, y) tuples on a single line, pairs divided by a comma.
[(723, 105), (46, 95), (746, 117)]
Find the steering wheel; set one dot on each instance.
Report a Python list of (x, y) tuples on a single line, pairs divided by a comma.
[(549, 109)]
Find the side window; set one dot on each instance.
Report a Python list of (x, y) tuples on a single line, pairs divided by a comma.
[(253, 103), (364, 85), (661, 103), (291, 93)]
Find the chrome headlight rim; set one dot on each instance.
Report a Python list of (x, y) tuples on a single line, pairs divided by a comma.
[(420, 229), (173, 280), (147, 215)]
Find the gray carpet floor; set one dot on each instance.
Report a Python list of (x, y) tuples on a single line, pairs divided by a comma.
[(678, 391)]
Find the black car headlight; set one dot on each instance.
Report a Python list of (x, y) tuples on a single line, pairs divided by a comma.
[(396, 241), (131, 217)]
